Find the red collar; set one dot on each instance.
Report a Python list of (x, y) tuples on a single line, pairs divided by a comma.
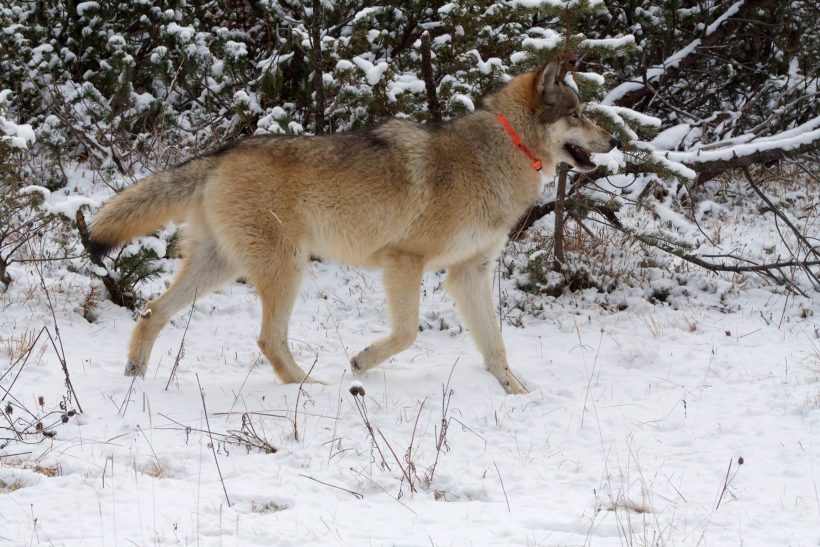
[(536, 163)]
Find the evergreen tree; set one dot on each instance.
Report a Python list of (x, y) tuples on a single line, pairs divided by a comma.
[(128, 87)]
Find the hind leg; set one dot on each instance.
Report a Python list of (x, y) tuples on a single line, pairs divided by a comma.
[(402, 284), (277, 280), (203, 270)]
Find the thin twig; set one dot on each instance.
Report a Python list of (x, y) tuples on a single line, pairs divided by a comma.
[(356, 494), (213, 447), (298, 394), (398, 461), (61, 352), (502, 487), (151, 446), (181, 345), (409, 455), (382, 489), (336, 420), (362, 408), (441, 437), (811, 248), (239, 393), (727, 481)]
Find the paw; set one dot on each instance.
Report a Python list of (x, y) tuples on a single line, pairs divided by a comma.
[(512, 386), (509, 382), (312, 380), (132, 369), (358, 363)]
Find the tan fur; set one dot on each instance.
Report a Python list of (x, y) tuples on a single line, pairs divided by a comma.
[(402, 197)]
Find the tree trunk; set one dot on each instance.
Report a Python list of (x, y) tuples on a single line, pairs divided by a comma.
[(5, 278), (427, 73), (560, 197), (318, 72)]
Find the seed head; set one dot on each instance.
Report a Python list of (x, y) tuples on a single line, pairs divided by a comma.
[(356, 388)]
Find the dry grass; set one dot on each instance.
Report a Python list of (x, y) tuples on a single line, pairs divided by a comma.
[(45, 470), (813, 355), (12, 484), (7, 487), (629, 505), (267, 507), (154, 468), (648, 320), (17, 347)]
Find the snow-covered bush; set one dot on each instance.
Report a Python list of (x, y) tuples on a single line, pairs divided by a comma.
[(20, 218), (129, 86), (13, 136)]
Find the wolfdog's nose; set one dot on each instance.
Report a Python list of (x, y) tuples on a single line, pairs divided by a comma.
[(613, 142)]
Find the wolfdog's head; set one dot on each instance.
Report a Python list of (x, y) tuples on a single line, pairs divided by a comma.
[(570, 137), (548, 115)]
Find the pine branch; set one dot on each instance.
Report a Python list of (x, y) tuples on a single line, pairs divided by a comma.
[(688, 55), (114, 290)]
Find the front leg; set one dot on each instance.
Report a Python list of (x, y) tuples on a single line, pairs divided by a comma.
[(402, 284), (471, 285)]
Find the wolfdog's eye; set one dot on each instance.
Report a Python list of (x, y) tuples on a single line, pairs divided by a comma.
[(576, 114)]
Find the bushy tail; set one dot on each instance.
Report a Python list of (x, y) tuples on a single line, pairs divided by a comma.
[(142, 208)]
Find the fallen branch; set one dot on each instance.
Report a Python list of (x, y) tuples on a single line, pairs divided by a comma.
[(764, 269), (707, 169)]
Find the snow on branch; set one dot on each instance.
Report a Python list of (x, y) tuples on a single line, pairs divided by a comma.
[(805, 141), (15, 135), (709, 163), (630, 92), (608, 43)]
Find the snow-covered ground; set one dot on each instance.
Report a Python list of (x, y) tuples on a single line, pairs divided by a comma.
[(633, 433)]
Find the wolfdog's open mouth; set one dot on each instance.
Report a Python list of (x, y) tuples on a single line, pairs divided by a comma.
[(580, 155)]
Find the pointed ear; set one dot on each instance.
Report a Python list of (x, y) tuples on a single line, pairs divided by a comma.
[(546, 78), (566, 67)]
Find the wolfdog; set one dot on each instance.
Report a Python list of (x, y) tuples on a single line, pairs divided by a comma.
[(401, 196)]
